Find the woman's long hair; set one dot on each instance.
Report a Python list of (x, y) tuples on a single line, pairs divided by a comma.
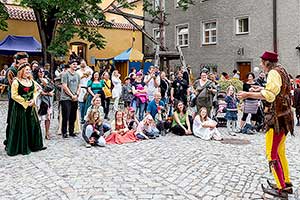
[(91, 119), (176, 107), (92, 78), (21, 71), (199, 113), (116, 118), (35, 73)]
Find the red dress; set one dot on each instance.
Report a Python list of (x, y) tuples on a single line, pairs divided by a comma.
[(116, 138)]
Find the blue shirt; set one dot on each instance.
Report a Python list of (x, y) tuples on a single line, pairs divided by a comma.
[(152, 107)]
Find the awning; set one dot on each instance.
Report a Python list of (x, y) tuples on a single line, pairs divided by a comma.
[(13, 44), (131, 55)]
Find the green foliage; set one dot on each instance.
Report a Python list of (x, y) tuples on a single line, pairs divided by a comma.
[(3, 17), (74, 19), (224, 84)]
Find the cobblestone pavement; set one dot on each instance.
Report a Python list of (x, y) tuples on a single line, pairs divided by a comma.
[(169, 167)]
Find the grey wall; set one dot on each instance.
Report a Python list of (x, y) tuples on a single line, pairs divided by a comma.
[(289, 34), (224, 53)]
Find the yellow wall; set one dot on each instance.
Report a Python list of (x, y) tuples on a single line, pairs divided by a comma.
[(118, 40), (137, 10), (21, 28)]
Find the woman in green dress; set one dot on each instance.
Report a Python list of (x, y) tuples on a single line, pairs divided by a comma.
[(25, 132)]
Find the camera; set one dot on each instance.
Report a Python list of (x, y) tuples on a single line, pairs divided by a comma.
[(156, 73)]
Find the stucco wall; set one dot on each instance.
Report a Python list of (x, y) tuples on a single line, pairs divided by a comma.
[(118, 40)]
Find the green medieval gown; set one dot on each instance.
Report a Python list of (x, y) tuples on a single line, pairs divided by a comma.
[(25, 132)]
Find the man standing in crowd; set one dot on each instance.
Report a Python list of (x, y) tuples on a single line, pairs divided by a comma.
[(69, 98), (179, 88), (85, 73), (279, 121), (152, 81), (19, 58)]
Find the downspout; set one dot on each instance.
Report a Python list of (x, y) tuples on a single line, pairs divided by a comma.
[(275, 48)]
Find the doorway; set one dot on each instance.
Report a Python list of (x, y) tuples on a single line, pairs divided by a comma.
[(244, 68), (78, 49)]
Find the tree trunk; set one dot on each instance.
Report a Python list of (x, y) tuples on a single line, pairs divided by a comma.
[(42, 33), (47, 29)]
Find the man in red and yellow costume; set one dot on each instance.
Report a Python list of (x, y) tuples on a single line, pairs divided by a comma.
[(279, 121)]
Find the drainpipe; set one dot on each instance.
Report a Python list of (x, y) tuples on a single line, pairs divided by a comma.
[(275, 26)]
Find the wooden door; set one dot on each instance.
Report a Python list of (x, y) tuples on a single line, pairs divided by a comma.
[(244, 68), (122, 67)]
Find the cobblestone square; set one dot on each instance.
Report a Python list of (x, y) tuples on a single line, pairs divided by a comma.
[(169, 167)]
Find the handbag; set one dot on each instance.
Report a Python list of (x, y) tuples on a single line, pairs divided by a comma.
[(43, 110), (251, 106), (107, 90)]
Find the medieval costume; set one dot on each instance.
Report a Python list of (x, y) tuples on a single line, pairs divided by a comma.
[(279, 121), (25, 134), (10, 75)]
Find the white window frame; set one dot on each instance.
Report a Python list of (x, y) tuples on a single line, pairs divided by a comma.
[(156, 6), (155, 30), (237, 19), (177, 27), (210, 30)]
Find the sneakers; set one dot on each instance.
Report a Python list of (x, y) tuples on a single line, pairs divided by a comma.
[(88, 145)]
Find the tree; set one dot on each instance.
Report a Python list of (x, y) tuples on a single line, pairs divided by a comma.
[(59, 21), (156, 9), (3, 17)]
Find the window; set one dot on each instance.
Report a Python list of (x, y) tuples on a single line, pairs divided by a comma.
[(242, 25), (156, 5), (182, 36), (156, 34), (209, 33)]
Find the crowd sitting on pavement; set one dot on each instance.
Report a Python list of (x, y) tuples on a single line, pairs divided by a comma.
[(146, 105)]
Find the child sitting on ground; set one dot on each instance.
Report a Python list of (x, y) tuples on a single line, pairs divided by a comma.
[(147, 128), (93, 130)]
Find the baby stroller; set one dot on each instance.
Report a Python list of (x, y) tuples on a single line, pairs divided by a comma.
[(219, 110)]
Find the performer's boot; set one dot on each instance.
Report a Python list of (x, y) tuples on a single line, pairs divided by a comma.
[(275, 192), (288, 187)]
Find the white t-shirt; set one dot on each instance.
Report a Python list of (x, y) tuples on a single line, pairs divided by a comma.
[(84, 81), (151, 89)]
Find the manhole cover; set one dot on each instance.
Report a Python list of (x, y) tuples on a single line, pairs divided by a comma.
[(235, 141)]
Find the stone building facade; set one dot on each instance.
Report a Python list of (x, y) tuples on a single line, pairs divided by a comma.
[(225, 35)]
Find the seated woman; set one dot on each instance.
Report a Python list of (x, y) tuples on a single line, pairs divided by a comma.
[(147, 128), (181, 124), (204, 127), (120, 133), (96, 105), (93, 130), (131, 120)]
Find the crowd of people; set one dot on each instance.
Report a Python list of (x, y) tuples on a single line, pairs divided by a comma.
[(145, 105)]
